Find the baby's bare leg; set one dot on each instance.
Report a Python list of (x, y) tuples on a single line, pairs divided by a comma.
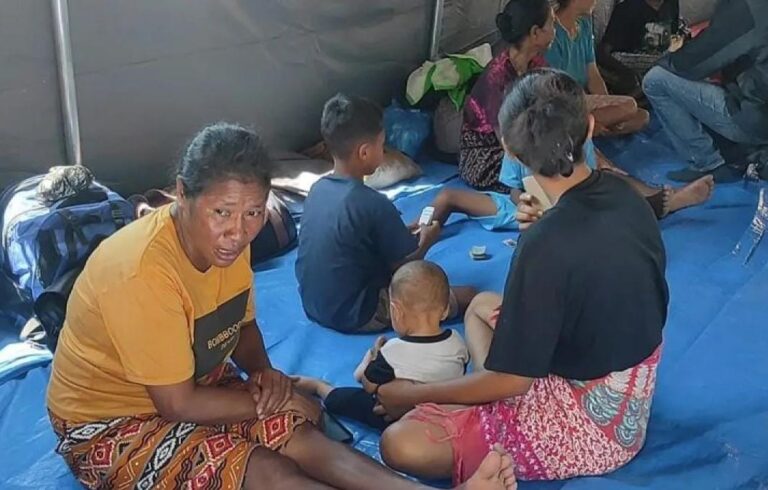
[(313, 386)]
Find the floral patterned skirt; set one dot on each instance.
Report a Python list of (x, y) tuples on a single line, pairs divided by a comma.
[(559, 429), (147, 451)]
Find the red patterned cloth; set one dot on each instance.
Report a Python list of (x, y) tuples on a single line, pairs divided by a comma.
[(559, 429), (147, 451)]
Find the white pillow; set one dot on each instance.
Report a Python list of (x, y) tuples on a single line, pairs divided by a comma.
[(396, 168)]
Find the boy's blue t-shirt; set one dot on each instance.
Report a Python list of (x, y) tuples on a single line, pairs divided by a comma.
[(351, 237), (513, 172), (573, 56)]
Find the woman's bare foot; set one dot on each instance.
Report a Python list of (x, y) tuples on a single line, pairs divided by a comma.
[(693, 194), (496, 472), (312, 386)]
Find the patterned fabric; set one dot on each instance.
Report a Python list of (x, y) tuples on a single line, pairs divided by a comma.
[(563, 428), (559, 429), (480, 154), (480, 160), (640, 63), (481, 111), (147, 451)]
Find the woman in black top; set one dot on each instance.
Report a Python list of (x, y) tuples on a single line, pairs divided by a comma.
[(565, 363)]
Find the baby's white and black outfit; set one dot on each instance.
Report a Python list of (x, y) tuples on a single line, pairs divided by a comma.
[(422, 359)]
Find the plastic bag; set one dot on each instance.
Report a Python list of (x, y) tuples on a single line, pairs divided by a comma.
[(754, 234), (407, 129)]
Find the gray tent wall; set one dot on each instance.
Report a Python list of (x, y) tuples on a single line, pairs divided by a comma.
[(31, 135), (149, 73)]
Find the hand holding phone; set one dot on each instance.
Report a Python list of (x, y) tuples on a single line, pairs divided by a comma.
[(426, 216)]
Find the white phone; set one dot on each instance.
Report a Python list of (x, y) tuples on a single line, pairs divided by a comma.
[(533, 188), (426, 216)]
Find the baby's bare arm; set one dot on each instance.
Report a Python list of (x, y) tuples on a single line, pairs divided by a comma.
[(370, 355), (360, 370)]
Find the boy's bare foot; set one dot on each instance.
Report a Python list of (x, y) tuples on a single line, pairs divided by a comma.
[(693, 194), (496, 472), (312, 386)]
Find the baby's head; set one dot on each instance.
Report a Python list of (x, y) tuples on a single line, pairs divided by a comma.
[(419, 297), (353, 131)]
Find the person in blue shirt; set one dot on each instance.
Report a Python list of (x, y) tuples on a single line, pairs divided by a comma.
[(518, 209), (573, 51), (352, 238)]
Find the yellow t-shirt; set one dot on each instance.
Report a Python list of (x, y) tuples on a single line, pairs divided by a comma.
[(139, 315)]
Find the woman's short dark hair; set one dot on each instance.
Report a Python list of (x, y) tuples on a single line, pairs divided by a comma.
[(220, 152), (519, 16), (348, 121), (544, 122)]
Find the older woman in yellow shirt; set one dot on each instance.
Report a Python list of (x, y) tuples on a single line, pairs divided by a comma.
[(143, 393)]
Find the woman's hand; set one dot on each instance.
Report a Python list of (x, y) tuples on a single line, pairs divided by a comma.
[(395, 399), (271, 390), (528, 211), (429, 234), (675, 43)]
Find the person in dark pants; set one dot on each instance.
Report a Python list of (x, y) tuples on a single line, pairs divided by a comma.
[(636, 26), (691, 108)]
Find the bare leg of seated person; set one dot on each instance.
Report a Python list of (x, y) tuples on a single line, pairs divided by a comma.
[(635, 123), (313, 386), (479, 326), (616, 115), (270, 470), (413, 447), (471, 203), (463, 296), (693, 194), (346, 469)]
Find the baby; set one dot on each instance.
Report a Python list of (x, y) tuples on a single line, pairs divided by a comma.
[(423, 352)]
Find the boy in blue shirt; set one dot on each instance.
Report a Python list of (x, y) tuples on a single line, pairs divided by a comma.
[(352, 238), (518, 209)]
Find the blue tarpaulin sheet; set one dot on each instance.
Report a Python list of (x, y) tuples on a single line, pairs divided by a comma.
[(709, 425)]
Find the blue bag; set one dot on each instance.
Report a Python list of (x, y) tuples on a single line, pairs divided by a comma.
[(406, 129), (41, 242)]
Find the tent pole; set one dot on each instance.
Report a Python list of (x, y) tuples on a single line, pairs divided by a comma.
[(67, 92), (436, 32)]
